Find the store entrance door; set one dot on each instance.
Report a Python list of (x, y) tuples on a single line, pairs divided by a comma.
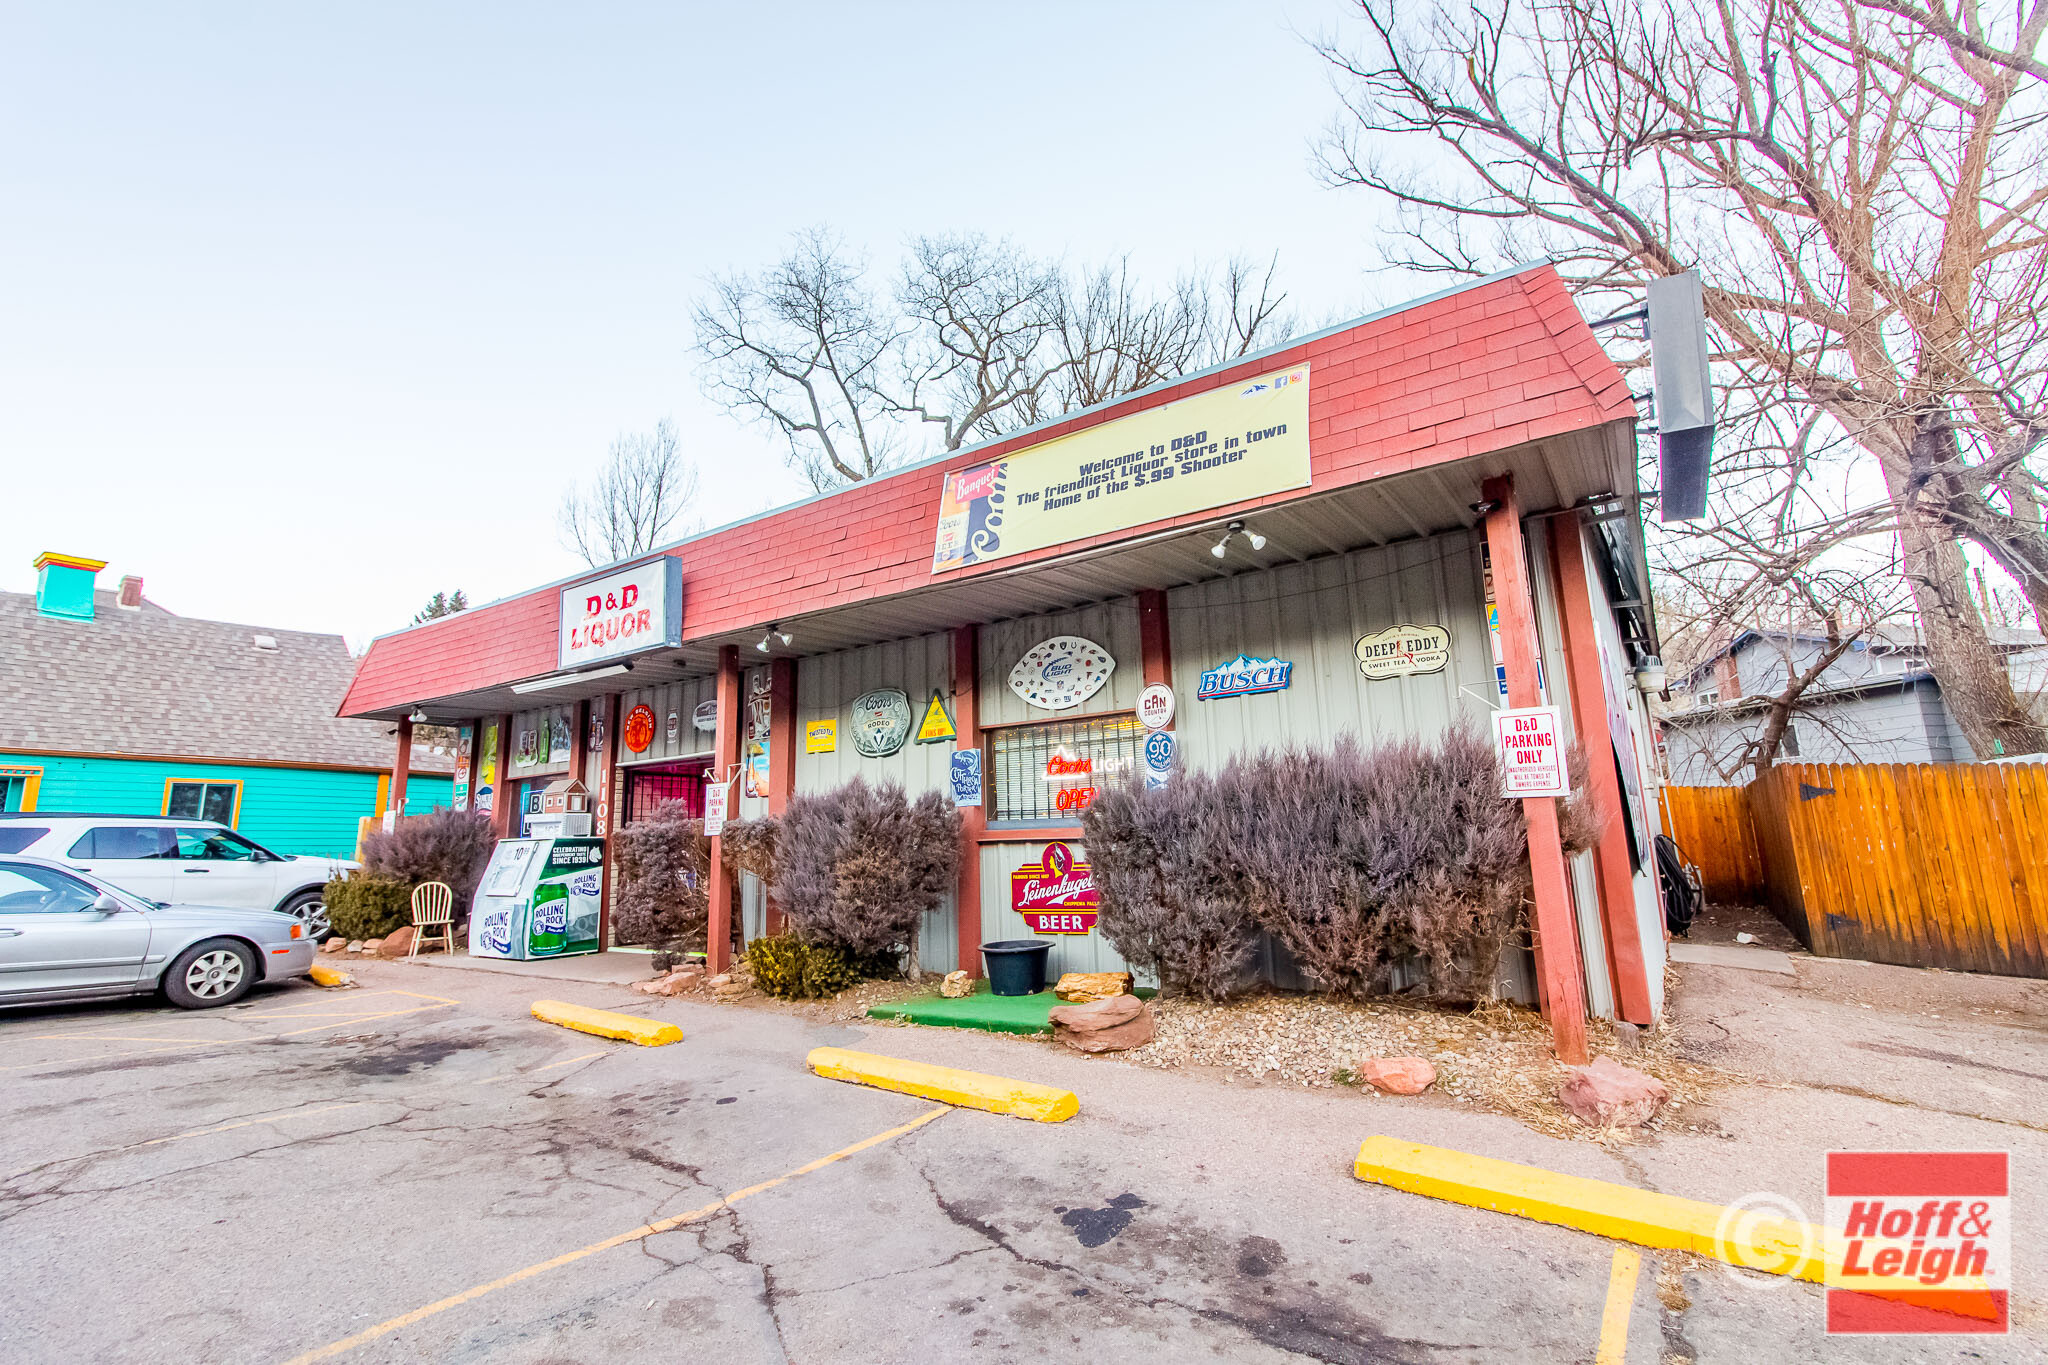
[(647, 787)]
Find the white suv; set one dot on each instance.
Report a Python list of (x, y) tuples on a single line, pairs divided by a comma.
[(178, 862)]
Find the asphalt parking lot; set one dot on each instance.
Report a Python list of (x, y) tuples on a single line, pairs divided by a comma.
[(416, 1169)]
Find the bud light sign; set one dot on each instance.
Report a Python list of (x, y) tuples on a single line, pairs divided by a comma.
[(622, 613), (1055, 895)]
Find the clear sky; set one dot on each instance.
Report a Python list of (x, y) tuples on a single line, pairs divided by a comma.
[(307, 312)]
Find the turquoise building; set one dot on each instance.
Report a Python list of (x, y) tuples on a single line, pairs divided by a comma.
[(112, 705)]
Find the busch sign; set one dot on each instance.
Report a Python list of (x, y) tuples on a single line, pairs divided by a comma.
[(622, 613)]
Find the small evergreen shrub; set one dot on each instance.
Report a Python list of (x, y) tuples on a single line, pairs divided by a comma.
[(793, 968), (860, 866), (660, 866), (365, 905), (445, 845)]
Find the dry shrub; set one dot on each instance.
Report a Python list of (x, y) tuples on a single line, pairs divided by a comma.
[(660, 866), (1357, 860), (749, 846), (858, 867), (446, 845), (1579, 817), (1170, 901)]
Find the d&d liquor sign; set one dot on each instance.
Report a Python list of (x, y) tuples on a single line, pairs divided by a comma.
[(1055, 895)]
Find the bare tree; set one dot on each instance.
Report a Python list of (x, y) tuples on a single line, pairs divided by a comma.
[(803, 348), (980, 319), (632, 504), (978, 339), (1859, 185), (1811, 621)]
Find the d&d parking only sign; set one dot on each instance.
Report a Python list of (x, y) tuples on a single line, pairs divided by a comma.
[(1531, 745)]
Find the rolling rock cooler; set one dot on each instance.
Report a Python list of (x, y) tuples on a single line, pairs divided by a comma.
[(538, 898)]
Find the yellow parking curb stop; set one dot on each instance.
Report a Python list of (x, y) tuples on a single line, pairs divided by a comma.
[(1773, 1245), (628, 1028), (324, 975), (966, 1089)]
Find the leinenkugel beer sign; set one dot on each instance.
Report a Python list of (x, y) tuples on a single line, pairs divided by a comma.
[(1244, 440), (622, 613), (1055, 895)]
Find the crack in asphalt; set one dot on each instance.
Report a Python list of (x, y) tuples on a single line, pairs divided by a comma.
[(741, 1250), (1299, 1337)]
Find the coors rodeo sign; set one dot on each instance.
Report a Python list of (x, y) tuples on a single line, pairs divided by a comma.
[(622, 613)]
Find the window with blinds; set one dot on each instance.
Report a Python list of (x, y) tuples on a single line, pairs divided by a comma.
[(1052, 771)]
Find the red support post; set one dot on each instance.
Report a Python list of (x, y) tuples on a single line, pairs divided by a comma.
[(606, 709), (1611, 863), (503, 821), (401, 766), (726, 758), (973, 819), (1155, 642), (1557, 962), (782, 742), (579, 743)]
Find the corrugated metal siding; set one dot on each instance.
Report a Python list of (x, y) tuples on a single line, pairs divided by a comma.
[(289, 810), (827, 684), (1113, 625), (682, 699), (1313, 614)]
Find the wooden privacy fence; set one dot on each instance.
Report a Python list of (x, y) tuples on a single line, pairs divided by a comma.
[(1926, 865), (1713, 830)]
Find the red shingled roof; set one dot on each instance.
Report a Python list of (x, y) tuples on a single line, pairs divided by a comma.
[(1475, 370)]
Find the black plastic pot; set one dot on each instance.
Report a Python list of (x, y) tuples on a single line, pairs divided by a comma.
[(1016, 966)]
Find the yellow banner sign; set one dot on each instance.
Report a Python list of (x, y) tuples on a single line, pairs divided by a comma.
[(821, 737), (1216, 448)]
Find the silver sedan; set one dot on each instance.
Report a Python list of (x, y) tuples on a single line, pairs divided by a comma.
[(67, 935)]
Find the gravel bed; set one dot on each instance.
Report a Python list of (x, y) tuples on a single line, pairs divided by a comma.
[(1496, 1057)]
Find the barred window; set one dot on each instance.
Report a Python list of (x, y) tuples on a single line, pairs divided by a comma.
[(1052, 771)]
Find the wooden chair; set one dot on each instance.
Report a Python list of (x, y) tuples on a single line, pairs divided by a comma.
[(433, 909)]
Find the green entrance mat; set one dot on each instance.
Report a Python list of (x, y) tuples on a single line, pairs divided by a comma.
[(990, 1013)]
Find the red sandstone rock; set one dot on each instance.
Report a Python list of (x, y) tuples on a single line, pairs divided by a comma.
[(1112, 1025), (1610, 1095), (1398, 1075)]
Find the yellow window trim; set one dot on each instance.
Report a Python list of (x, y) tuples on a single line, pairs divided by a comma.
[(29, 788), (235, 813)]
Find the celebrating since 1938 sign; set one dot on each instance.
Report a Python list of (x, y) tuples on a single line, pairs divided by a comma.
[(1055, 895), (1244, 440)]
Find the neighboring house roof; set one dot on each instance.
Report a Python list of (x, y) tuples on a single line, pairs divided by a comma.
[(1813, 696), (149, 683), (1890, 639)]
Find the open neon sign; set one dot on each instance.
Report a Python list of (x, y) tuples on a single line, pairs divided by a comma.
[(1074, 769)]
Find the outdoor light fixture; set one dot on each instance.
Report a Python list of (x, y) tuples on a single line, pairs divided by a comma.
[(1237, 528), (555, 680), (418, 716), (1650, 674), (775, 632)]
